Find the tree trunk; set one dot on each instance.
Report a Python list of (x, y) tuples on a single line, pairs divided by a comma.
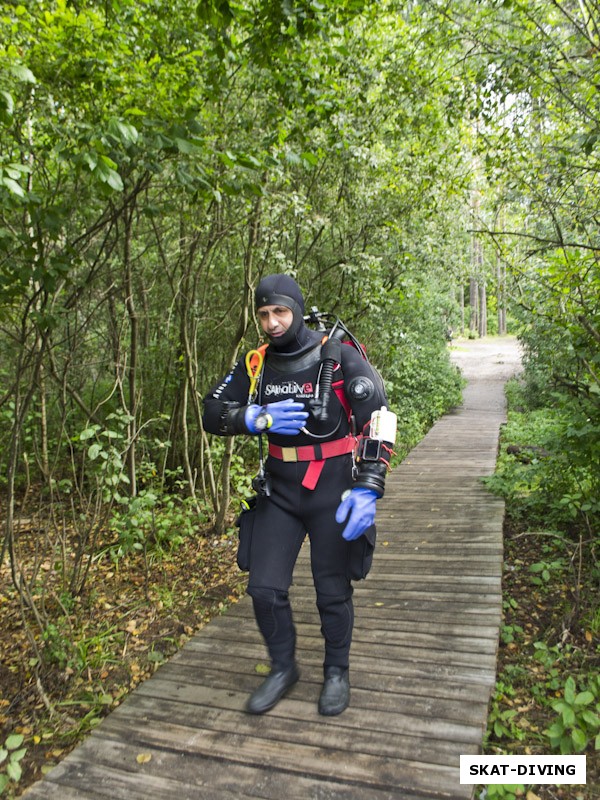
[(473, 304), (482, 327), (133, 355), (501, 295), (253, 238), (461, 301)]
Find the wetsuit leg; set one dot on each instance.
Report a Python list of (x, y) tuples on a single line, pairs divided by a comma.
[(276, 541), (329, 562)]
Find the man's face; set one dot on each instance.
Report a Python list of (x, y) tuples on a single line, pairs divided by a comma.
[(275, 320)]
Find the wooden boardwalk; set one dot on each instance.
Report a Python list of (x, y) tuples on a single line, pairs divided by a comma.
[(422, 667)]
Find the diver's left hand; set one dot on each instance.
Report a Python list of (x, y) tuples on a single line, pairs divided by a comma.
[(359, 504)]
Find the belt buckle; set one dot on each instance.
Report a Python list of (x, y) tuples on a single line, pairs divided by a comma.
[(289, 454)]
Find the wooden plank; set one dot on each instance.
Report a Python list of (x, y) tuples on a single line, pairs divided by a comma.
[(416, 640), (383, 733), (402, 634), (415, 699), (399, 661), (112, 772), (404, 615), (388, 681), (357, 767)]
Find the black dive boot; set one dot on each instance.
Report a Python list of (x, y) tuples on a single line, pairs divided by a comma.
[(273, 688), (335, 695)]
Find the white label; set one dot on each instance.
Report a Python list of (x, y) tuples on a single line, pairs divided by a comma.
[(523, 769)]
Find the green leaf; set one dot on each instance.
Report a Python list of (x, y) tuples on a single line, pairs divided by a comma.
[(186, 146), (591, 719), (14, 187), (3, 755), (113, 179), (3, 783), (14, 772), (584, 699), (23, 73), (570, 689), (7, 106), (94, 451), (14, 740), (579, 739), (123, 131), (227, 158), (249, 161), (18, 755), (310, 158)]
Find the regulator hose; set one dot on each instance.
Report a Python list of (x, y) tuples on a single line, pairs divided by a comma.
[(331, 354)]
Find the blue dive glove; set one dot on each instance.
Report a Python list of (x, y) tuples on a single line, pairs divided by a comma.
[(284, 417), (359, 503)]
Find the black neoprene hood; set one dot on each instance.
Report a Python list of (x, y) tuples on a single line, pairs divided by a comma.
[(282, 290), (279, 290)]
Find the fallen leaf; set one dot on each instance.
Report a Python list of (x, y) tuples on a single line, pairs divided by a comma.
[(262, 669), (532, 796), (132, 627), (144, 758)]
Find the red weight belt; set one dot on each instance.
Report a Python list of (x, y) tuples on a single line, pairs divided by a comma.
[(316, 454)]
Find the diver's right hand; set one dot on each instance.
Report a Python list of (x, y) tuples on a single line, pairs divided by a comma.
[(285, 417)]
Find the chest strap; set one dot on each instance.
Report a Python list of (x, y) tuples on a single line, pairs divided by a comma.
[(316, 454)]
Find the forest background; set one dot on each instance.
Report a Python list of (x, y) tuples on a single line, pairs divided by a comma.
[(419, 167)]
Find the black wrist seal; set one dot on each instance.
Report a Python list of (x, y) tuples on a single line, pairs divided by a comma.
[(371, 475), (231, 420)]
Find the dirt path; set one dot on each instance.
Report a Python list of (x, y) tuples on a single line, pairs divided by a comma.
[(492, 358)]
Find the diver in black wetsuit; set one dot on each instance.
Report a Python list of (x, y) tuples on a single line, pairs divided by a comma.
[(314, 458)]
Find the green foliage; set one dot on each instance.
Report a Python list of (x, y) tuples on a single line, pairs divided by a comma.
[(106, 454), (544, 571), (151, 523), (11, 755), (502, 721), (510, 633), (503, 791), (553, 475), (78, 653), (578, 721), (422, 385), (553, 660), (413, 356)]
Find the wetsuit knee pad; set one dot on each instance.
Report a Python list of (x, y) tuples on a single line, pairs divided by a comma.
[(337, 618), (274, 619), (271, 608), (264, 596)]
